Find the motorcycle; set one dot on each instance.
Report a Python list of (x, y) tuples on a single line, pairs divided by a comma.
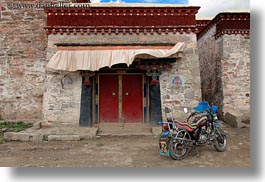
[(201, 128)]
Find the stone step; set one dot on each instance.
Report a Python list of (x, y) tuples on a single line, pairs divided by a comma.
[(125, 134), (123, 129), (23, 136), (53, 134), (157, 130), (63, 138), (125, 126)]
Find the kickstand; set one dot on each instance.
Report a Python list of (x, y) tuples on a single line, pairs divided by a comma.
[(194, 151)]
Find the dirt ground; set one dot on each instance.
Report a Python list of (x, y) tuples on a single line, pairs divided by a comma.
[(129, 151)]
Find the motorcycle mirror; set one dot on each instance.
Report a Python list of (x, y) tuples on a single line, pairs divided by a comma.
[(167, 110), (185, 110)]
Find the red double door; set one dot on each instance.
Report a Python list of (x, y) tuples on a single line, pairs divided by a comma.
[(120, 98)]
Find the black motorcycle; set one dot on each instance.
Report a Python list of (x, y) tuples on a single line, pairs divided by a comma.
[(201, 128)]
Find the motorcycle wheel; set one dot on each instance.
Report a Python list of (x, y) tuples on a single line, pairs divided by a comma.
[(220, 141), (177, 150)]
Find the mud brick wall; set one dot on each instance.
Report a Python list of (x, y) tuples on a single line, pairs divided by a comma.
[(177, 96), (225, 72), (22, 62)]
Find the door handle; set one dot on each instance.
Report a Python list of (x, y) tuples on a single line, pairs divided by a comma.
[(126, 94), (113, 93)]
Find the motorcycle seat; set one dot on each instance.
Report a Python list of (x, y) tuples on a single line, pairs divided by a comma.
[(189, 126), (186, 125)]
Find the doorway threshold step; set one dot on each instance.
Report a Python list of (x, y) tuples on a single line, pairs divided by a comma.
[(124, 129)]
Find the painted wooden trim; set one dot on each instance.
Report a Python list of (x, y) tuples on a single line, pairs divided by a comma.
[(122, 20), (121, 119)]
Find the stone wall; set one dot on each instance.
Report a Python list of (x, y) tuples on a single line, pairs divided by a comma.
[(22, 62), (180, 86), (225, 74), (174, 96), (62, 98), (236, 78)]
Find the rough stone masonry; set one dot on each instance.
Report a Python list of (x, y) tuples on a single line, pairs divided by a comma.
[(22, 62), (224, 52)]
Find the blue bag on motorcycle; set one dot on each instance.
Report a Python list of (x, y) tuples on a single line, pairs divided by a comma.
[(202, 106), (163, 143)]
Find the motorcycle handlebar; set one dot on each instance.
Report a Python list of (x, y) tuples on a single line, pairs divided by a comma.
[(162, 122)]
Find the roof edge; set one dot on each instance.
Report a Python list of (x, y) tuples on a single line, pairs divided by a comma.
[(227, 16)]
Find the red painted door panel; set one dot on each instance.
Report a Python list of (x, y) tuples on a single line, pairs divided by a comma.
[(109, 98), (132, 98)]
